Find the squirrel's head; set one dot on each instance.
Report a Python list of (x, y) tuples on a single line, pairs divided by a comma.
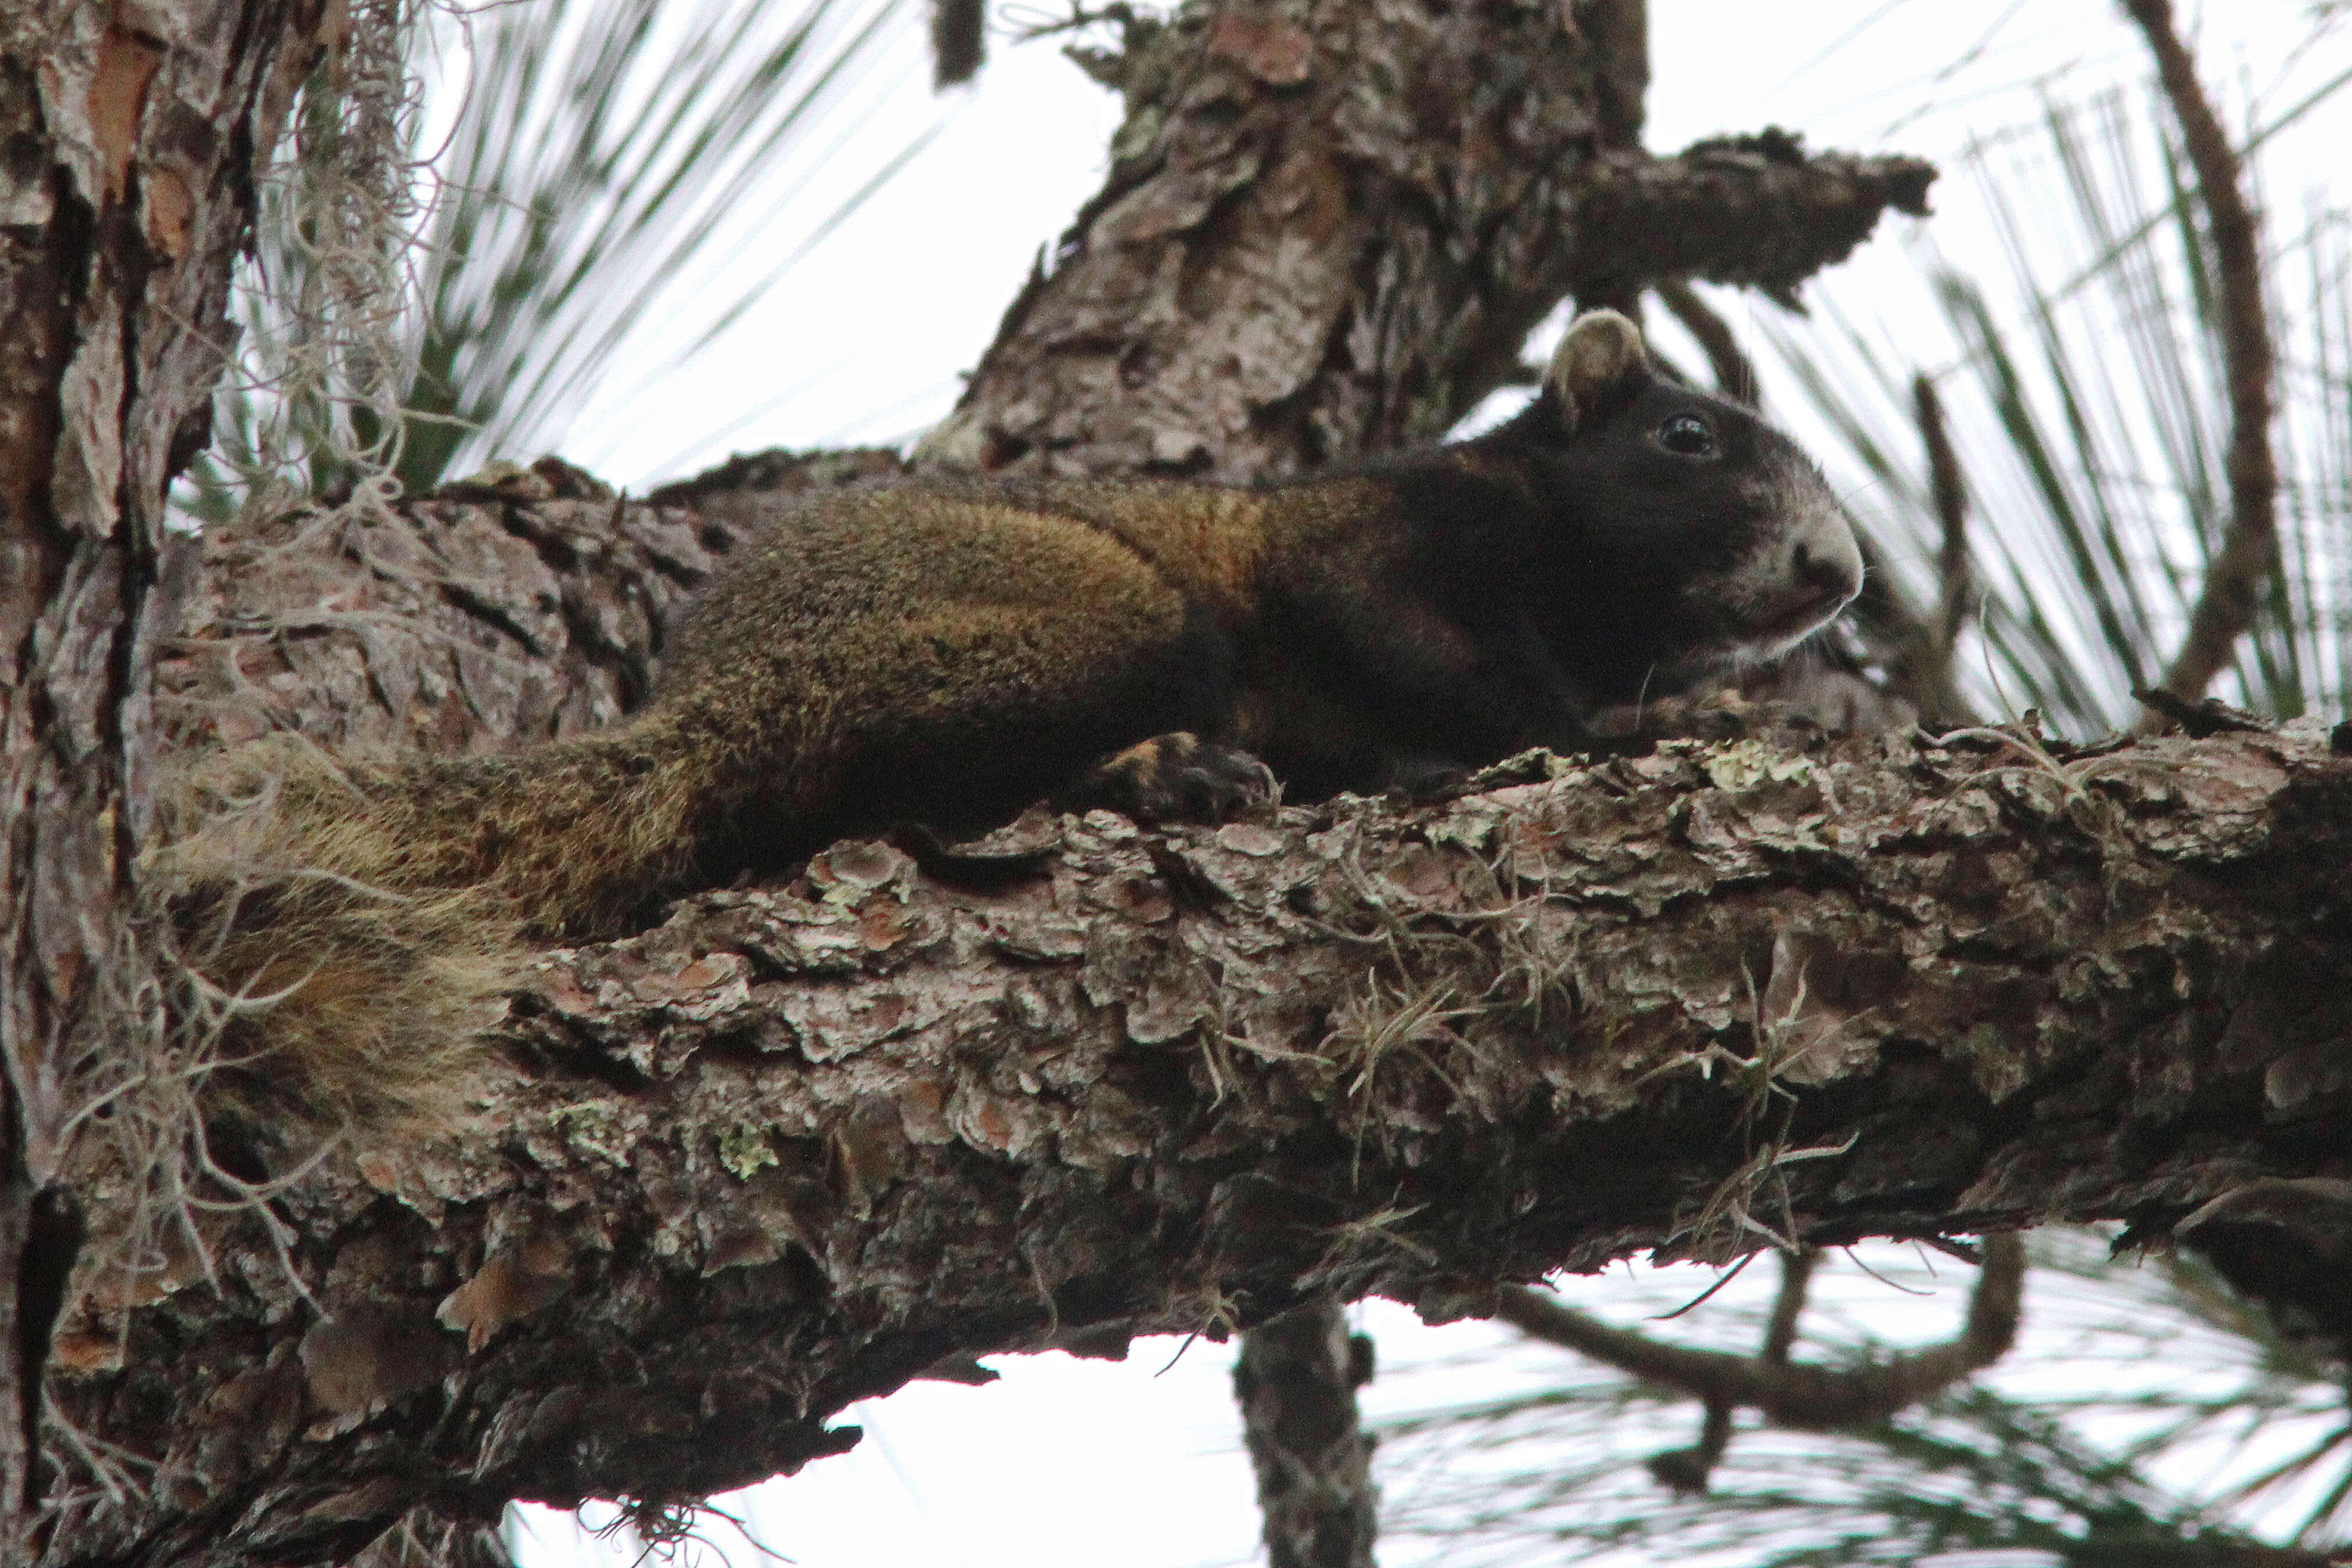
[(1673, 527)]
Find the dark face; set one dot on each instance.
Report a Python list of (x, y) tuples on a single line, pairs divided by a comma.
[(1669, 529)]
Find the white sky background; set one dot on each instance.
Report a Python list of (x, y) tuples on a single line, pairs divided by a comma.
[(1093, 1465)]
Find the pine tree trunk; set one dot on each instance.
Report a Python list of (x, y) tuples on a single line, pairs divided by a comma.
[(126, 143)]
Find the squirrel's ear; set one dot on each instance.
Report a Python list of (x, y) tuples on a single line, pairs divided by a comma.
[(1600, 354)]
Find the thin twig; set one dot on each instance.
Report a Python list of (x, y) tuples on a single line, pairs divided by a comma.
[(1689, 1470), (1954, 576), (1735, 374), (959, 41), (1795, 1394), (1796, 1279), (2233, 582)]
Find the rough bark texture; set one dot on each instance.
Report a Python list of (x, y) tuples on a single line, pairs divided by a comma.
[(482, 616), (1328, 230), (127, 137), (798, 1144)]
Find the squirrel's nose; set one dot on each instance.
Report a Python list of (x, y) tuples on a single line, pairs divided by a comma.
[(1831, 572)]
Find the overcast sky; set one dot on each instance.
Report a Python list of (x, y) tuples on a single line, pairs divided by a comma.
[(1136, 1465)]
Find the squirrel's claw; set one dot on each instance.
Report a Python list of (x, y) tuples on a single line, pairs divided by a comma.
[(1176, 777)]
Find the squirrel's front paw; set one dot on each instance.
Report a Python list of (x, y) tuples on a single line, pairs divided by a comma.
[(1175, 777)]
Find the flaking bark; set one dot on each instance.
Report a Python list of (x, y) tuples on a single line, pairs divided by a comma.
[(796, 1146), (485, 614), (1327, 233), (1351, 211), (126, 139)]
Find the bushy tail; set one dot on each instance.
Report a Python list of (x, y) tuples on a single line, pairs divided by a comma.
[(348, 925)]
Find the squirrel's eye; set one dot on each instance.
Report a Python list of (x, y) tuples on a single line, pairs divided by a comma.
[(1687, 435)]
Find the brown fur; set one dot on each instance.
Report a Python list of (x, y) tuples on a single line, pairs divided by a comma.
[(949, 652)]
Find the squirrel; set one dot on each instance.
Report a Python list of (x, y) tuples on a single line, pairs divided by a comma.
[(950, 651)]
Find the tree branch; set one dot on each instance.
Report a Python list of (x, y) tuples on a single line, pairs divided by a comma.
[(1755, 210), (2249, 553), (798, 1145), (1296, 1382), (1789, 1393), (1322, 235), (1689, 1470), (1327, 237), (1327, 231), (1734, 373)]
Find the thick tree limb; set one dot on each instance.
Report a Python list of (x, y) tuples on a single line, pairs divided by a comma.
[(789, 1150), (767, 1167), (1327, 231), (1748, 209), (795, 1146)]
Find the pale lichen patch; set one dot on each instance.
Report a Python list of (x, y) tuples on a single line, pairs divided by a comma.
[(744, 1149)]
